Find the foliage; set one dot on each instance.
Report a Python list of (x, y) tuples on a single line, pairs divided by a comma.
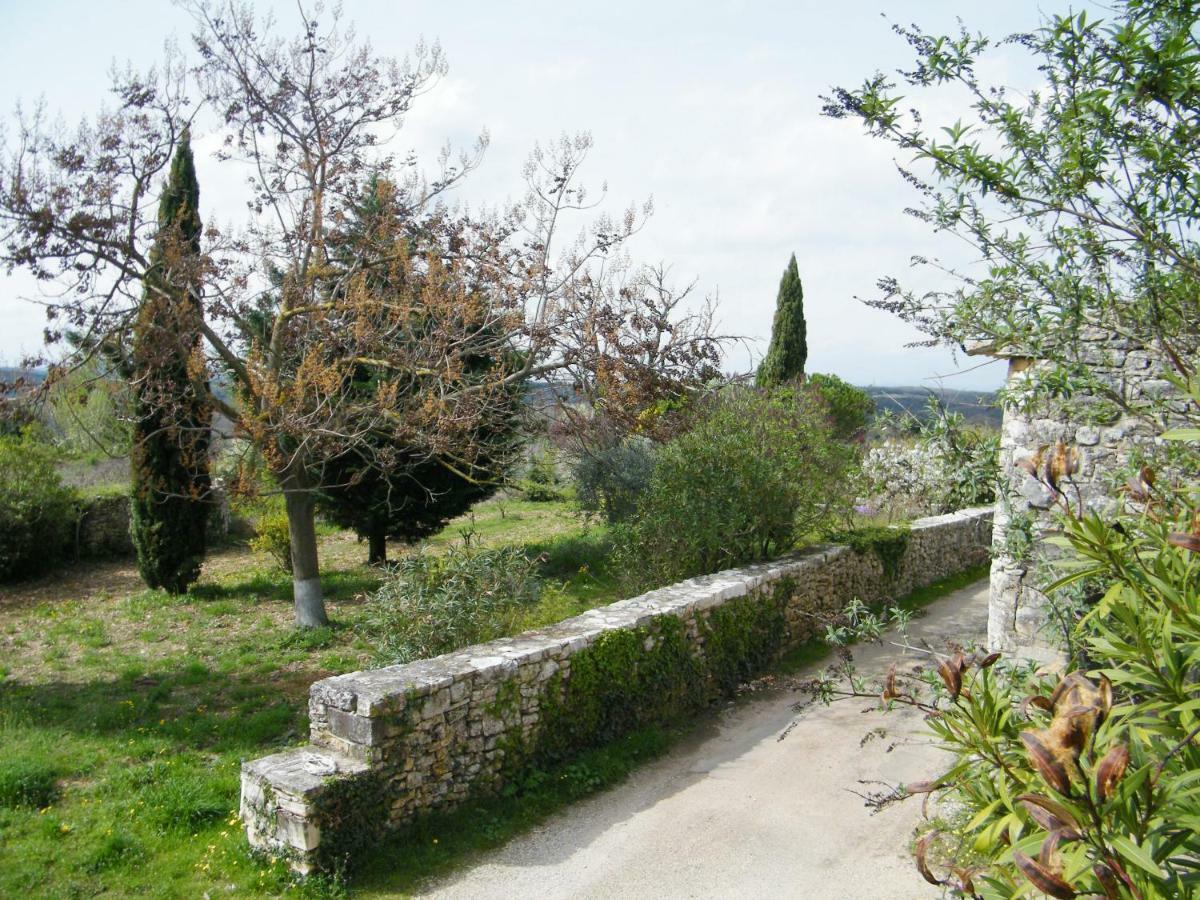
[(755, 473), (434, 604), (309, 116), (37, 513), (634, 677), (87, 410), (542, 482), (948, 466), (25, 782), (610, 481), (788, 350), (380, 487), (272, 535), (1083, 783), (1079, 194), (172, 425), (850, 408), (970, 457), (889, 544), (1081, 198)]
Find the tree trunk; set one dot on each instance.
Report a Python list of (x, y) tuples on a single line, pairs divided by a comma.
[(376, 547), (306, 578)]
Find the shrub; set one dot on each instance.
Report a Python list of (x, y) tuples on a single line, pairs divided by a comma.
[(435, 604), (542, 482), (849, 408), (611, 481), (1083, 783), (758, 471), (948, 466), (37, 512), (271, 534)]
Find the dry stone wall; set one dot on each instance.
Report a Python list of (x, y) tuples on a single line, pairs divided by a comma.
[(390, 744)]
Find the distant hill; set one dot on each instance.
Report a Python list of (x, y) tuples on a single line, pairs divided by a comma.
[(11, 374), (976, 406)]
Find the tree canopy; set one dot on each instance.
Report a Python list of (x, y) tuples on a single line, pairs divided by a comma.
[(307, 119)]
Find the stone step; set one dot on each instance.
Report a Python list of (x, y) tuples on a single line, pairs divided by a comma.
[(282, 800)]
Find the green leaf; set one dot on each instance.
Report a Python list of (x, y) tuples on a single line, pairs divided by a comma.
[(1137, 855), (1182, 434)]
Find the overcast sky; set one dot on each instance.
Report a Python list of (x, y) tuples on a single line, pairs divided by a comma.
[(710, 106)]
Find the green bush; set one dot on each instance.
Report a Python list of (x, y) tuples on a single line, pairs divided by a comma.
[(611, 481), (758, 471), (1085, 783), (542, 482), (271, 534), (849, 408), (37, 512), (435, 604)]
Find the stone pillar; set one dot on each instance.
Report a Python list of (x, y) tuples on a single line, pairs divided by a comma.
[(1107, 440)]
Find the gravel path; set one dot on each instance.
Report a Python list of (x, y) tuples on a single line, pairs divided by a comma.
[(759, 805)]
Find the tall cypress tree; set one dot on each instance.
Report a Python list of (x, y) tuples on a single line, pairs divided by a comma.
[(172, 415), (789, 345)]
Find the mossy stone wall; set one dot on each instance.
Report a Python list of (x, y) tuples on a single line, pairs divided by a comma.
[(392, 744)]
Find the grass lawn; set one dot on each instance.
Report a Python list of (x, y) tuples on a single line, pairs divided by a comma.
[(125, 713)]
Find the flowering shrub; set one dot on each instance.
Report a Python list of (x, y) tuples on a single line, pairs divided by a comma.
[(896, 475), (948, 466)]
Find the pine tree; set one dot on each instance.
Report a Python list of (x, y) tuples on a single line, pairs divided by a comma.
[(789, 347), (387, 490), (172, 418)]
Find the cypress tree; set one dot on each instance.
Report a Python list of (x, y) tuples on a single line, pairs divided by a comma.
[(172, 415), (789, 347)]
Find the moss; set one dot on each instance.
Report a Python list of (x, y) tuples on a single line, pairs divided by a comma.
[(352, 814), (889, 544), (743, 637)]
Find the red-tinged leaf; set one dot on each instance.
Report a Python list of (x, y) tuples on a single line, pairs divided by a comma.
[(1060, 813), (1108, 880), (1035, 700), (1048, 855), (1042, 878), (923, 787), (989, 660), (966, 879), (951, 671), (1043, 760), (920, 855), (1106, 698), (1189, 542), (889, 686), (1111, 770)]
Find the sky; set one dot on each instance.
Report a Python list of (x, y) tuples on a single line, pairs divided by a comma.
[(710, 107)]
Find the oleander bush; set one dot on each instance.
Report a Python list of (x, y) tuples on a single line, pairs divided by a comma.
[(759, 470), (433, 604)]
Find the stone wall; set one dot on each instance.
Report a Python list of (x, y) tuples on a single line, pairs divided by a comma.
[(393, 743), (102, 529), (1107, 440)]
